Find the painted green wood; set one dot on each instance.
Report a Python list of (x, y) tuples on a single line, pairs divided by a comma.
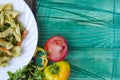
[(92, 30)]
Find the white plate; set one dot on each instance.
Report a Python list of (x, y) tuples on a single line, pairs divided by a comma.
[(30, 42)]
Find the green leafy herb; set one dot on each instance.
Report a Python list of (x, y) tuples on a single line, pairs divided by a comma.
[(1, 53), (4, 27), (29, 72), (11, 38)]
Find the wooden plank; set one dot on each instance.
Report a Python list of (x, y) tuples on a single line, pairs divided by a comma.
[(32, 5)]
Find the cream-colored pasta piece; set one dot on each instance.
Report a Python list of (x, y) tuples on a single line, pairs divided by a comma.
[(1, 19), (5, 44), (13, 14), (9, 19), (4, 64), (6, 7), (16, 50), (6, 32), (4, 60), (15, 28), (16, 33)]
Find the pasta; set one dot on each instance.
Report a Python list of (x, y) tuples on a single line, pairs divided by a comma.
[(11, 31)]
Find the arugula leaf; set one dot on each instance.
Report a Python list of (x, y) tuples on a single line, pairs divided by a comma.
[(29, 72)]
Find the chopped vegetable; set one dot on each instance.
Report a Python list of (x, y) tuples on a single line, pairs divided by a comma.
[(4, 27), (22, 37), (5, 50), (11, 38), (42, 57)]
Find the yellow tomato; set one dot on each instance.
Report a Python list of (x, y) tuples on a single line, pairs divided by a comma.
[(57, 71)]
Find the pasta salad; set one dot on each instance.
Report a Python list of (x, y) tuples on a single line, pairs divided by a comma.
[(12, 33)]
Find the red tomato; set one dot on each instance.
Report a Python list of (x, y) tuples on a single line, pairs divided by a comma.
[(57, 48)]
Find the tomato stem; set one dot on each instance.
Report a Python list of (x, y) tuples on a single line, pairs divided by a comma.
[(47, 52), (54, 69)]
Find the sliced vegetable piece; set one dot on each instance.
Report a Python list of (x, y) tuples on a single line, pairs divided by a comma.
[(44, 63), (5, 50), (43, 57), (57, 49), (22, 37)]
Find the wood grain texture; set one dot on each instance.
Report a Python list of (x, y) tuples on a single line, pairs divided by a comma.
[(92, 33), (32, 5)]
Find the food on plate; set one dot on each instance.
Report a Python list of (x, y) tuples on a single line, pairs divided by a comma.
[(57, 48), (57, 71), (12, 33)]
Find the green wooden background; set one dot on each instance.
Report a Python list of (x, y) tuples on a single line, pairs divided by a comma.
[(92, 30)]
